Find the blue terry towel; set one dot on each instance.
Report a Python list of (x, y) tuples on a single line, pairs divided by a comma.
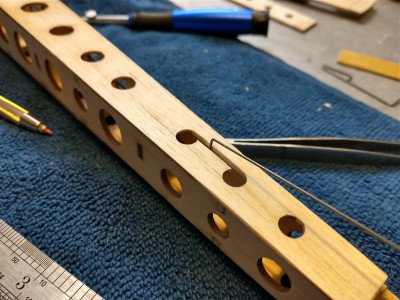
[(80, 204)]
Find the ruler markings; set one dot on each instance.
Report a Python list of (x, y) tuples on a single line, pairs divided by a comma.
[(50, 270), (62, 278), (53, 277), (74, 291), (80, 292), (67, 284), (62, 283), (90, 295), (14, 236), (34, 265), (33, 251), (9, 229), (28, 261), (81, 285), (97, 297), (19, 239), (6, 292)]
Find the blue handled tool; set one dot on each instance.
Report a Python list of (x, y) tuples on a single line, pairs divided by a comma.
[(216, 21)]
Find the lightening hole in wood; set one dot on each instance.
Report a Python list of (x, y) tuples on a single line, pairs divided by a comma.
[(92, 56), (140, 151), (289, 16), (123, 83), (186, 137), (22, 47), (291, 226), (234, 178), (62, 30), (218, 225), (53, 75), (3, 33), (171, 183), (274, 274), (34, 7), (80, 100), (110, 127), (37, 62)]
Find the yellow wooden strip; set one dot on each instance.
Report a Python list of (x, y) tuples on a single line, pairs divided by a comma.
[(280, 13), (370, 64), (385, 294)]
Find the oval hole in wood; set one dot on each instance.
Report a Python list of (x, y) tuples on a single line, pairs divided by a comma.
[(234, 178), (291, 226), (61, 30), (22, 47), (218, 225), (186, 137), (171, 182), (92, 56), (34, 7), (3, 33), (274, 274), (123, 83), (53, 75), (80, 100), (110, 127)]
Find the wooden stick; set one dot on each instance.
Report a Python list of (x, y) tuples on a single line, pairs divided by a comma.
[(280, 13), (239, 208)]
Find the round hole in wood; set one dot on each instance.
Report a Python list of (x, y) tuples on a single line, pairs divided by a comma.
[(218, 225), (3, 33), (291, 226), (61, 30), (186, 137), (274, 274), (234, 178), (34, 7), (22, 47), (53, 75), (80, 100), (289, 16), (171, 183), (92, 56), (123, 83), (110, 127)]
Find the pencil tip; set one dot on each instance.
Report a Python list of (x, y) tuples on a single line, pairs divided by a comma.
[(47, 131)]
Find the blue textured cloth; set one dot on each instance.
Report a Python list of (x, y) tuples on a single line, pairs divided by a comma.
[(80, 204)]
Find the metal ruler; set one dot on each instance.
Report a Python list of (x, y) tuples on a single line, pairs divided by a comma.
[(26, 273)]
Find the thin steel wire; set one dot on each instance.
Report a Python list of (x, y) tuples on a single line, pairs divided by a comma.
[(312, 197)]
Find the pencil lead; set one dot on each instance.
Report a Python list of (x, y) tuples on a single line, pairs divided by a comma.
[(47, 131)]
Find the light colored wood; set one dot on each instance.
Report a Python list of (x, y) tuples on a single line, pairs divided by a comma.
[(356, 7), (385, 294), (280, 13), (168, 145), (370, 64)]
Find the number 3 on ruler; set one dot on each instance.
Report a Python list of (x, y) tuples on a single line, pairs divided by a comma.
[(20, 285)]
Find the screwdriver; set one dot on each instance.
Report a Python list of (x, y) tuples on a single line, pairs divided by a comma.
[(213, 21)]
